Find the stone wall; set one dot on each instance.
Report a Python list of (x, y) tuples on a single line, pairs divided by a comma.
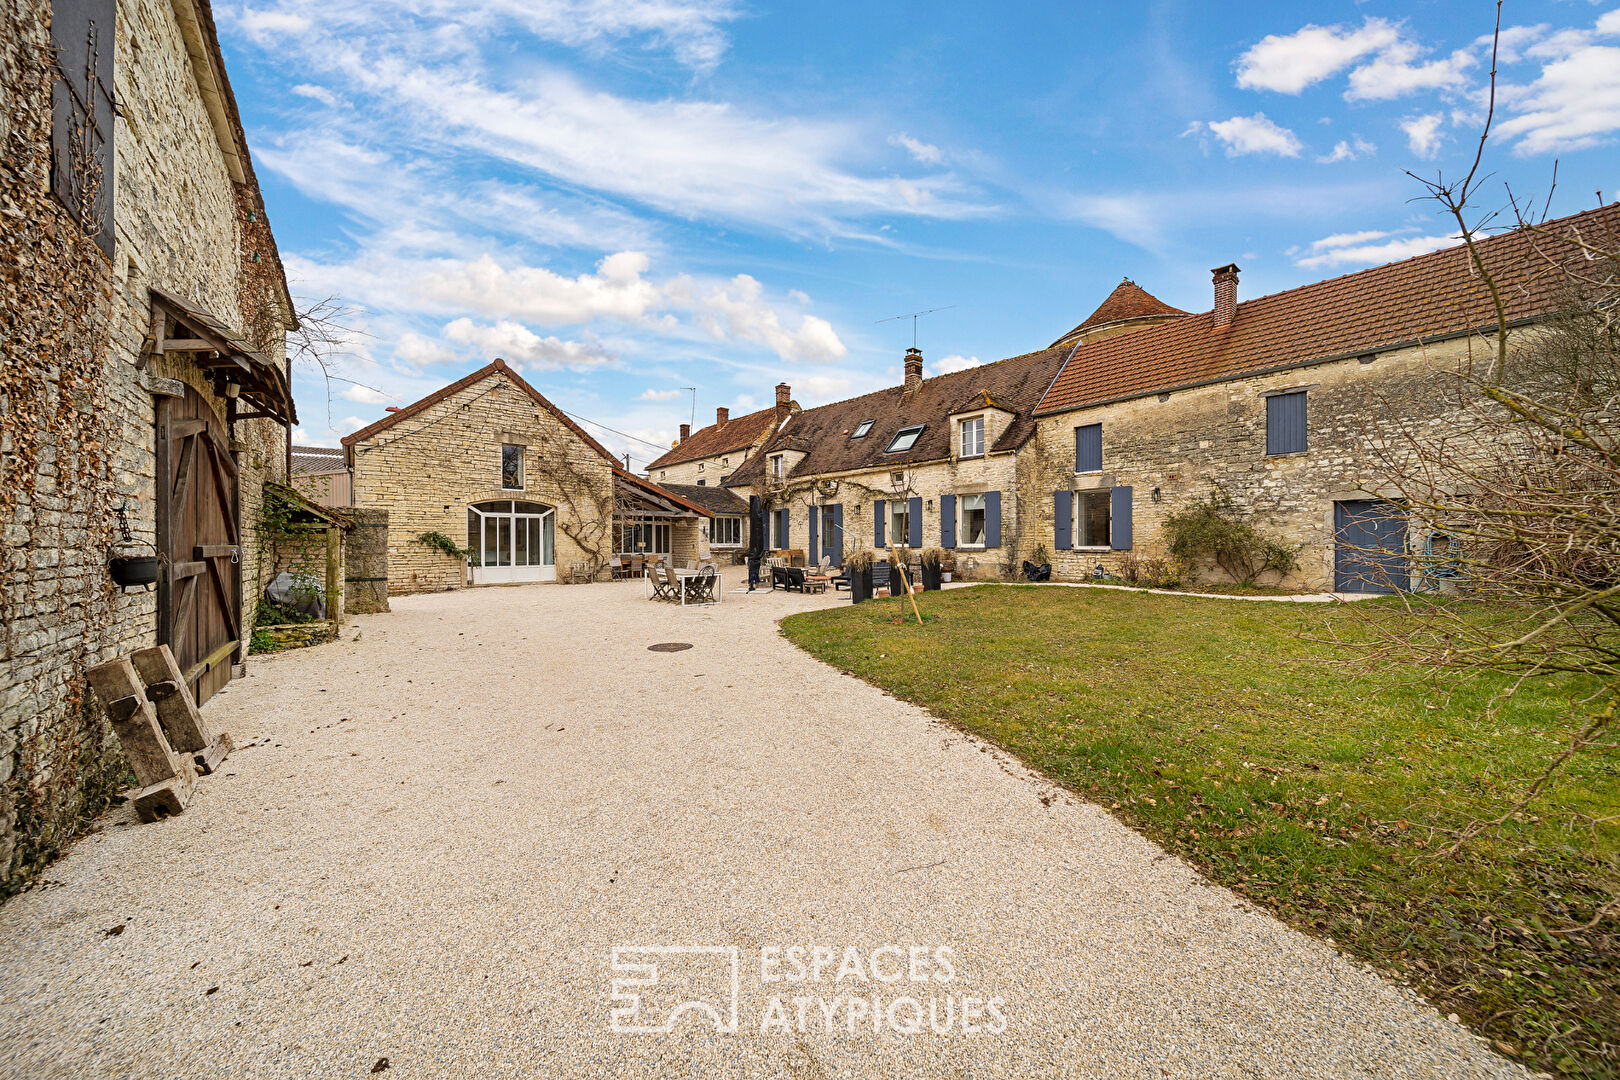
[(366, 559), (428, 468), (1179, 450), (77, 418)]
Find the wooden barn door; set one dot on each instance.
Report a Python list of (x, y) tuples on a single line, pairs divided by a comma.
[(199, 601)]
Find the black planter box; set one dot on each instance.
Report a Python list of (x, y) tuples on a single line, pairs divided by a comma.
[(860, 585), (930, 577)]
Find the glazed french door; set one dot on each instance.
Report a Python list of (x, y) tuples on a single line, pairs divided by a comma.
[(514, 541)]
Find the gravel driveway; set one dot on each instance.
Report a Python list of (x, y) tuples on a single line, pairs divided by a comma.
[(437, 834)]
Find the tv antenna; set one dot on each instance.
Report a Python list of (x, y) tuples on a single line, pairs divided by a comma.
[(914, 316), (693, 390)]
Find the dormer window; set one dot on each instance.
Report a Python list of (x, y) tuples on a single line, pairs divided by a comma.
[(973, 437), (776, 467), (905, 439), (862, 431)]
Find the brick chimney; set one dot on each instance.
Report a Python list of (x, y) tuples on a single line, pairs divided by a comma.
[(721, 415), (686, 432), (784, 396), (913, 368), (1226, 279)]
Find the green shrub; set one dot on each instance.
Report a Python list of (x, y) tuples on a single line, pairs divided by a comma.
[(1215, 529)]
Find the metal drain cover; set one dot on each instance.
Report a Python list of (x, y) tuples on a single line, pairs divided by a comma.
[(670, 646)]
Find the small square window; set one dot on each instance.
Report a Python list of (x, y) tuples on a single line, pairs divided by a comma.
[(1285, 424), (725, 461), (701, 466), (511, 467), (862, 431), (905, 439)]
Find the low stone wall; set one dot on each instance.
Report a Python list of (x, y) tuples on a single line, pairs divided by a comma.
[(293, 635), (365, 583)]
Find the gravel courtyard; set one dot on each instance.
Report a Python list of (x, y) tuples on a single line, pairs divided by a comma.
[(431, 839)]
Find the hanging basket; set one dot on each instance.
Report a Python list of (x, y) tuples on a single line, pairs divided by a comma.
[(134, 571)]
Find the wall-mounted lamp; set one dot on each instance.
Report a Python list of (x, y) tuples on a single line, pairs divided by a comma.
[(233, 388), (1158, 496)]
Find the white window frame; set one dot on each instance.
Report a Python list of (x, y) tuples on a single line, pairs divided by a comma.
[(961, 520), (899, 522), (975, 424), (1077, 521), (915, 431), (777, 470), (731, 527)]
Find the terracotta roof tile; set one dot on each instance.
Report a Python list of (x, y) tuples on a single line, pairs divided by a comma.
[(1128, 301), (738, 433), (1429, 297), (823, 433)]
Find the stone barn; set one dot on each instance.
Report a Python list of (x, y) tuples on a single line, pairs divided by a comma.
[(487, 482), (144, 394)]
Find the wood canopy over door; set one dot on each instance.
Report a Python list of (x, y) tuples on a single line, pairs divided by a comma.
[(199, 588)]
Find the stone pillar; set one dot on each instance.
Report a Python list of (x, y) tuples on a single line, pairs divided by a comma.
[(365, 585)]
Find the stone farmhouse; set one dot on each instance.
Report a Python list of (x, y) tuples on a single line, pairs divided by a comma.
[(487, 482), (144, 395), (1083, 449)]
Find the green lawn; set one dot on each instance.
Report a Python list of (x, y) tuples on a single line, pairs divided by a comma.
[(1226, 731)]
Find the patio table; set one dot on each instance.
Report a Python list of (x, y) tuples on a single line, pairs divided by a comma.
[(682, 584)]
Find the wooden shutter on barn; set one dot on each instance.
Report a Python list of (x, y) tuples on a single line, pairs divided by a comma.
[(82, 38), (198, 508)]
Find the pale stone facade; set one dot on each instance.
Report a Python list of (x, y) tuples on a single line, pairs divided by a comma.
[(78, 414), (1179, 450), (429, 466)]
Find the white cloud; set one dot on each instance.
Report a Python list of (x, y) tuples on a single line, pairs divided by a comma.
[(659, 395), (1573, 104), (517, 343), (736, 309), (1288, 63), (364, 395), (1255, 135), (262, 24), (1349, 150), (317, 93), (535, 294), (354, 423), (1394, 74), (954, 362), (1367, 248), (1423, 134), (926, 153), (415, 351)]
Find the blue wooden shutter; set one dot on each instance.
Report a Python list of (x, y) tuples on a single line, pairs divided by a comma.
[(878, 509), (835, 542), (1062, 508), (815, 547), (914, 521), (947, 521), (992, 519), (782, 528), (1285, 423), (1088, 448), (1119, 520)]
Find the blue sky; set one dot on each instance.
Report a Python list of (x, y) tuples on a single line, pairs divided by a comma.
[(624, 199)]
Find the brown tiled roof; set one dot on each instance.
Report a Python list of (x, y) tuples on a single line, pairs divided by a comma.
[(1128, 301), (716, 500), (1426, 298), (823, 433), (661, 490), (738, 433), (496, 365)]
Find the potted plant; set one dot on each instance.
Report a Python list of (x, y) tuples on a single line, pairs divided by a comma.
[(933, 560), (947, 565), (859, 568)]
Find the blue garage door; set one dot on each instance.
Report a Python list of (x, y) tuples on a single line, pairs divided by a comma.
[(1369, 537)]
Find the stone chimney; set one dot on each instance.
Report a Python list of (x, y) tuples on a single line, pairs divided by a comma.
[(721, 415), (686, 432), (1226, 278), (913, 368), (784, 396)]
